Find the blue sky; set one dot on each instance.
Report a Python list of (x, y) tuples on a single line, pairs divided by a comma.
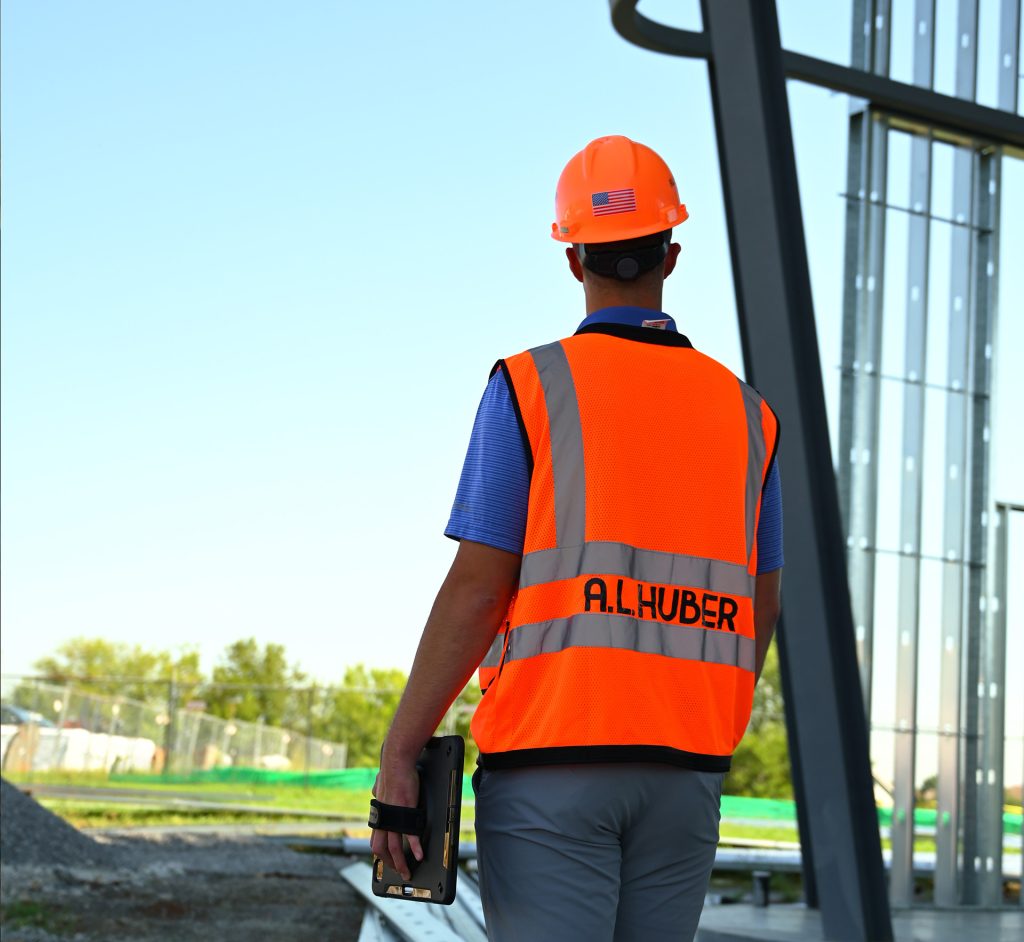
[(257, 262)]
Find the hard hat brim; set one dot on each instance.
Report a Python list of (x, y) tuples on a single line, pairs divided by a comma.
[(595, 234)]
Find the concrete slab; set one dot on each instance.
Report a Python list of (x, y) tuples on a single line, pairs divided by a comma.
[(790, 923)]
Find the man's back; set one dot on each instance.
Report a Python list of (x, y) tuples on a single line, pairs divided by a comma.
[(648, 464)]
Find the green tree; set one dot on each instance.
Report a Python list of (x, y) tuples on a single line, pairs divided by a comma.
[(760, 765), (359, 712), (252, 682), (95, 665)]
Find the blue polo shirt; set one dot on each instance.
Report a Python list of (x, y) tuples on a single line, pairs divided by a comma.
[(494, 490)]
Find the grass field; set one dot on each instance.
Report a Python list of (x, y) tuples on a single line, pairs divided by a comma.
[(278, 799)]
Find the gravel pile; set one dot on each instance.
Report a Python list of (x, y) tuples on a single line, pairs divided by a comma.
[(31, 835), (59, 885), (194, 889)]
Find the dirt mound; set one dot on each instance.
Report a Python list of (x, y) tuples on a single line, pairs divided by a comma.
[(170, 889), (29, 834)]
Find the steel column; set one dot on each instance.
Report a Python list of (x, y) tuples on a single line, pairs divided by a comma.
[(741, 44), (987, 888), (871, 36), (1009, 52), (781, 353), (954, 652), (901, 878), (948, 789), (902, 883), (863, 524), (992, 687), (858, 184), (980, 819), (995, 650), (862, 332), (860, 389)]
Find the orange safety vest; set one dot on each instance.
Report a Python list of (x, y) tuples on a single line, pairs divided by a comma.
[(631, 635)]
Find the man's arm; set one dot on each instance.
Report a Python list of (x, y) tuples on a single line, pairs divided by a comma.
[(767, 605), (463, 622)]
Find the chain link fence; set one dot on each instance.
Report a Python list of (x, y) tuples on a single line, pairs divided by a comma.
[(47, 726)]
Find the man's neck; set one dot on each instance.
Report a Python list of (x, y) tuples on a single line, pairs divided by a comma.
[(598, 300)]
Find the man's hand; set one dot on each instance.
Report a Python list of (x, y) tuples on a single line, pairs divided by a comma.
[(397, 783), (467, 613)]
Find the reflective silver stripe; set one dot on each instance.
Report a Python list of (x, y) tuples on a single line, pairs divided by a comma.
[(755, 459), (566, 443), (493, 656), (593, 630), (620, 559)]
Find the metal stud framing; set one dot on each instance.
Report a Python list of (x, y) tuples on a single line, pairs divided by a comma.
[(1009, 53), (956, 642), (777, 333), (991, 691), (986, 885), (979, 819), (993, 682), (901, 881), (862, 334), (862, 330), (740, 41)]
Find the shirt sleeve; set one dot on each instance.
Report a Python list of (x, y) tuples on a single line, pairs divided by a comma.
[(769, 525), (494, 489)]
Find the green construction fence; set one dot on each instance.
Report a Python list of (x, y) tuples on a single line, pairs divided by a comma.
[(733, 806)]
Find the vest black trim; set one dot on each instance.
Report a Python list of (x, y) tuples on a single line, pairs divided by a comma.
[(664, 338), (527, 447), (775, 446), (577, 755)]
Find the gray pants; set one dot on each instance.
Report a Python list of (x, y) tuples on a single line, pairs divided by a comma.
[(617, 852)]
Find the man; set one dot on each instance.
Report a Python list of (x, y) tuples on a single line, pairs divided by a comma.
[(617, 580)]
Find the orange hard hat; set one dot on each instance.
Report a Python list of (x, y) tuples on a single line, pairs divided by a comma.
[(615, 189)]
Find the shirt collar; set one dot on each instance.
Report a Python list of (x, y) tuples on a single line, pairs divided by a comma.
[(629, 316)]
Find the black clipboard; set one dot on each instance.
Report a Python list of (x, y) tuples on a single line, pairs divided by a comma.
[(434, 877)]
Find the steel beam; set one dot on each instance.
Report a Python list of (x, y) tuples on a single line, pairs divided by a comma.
[(780, 350), (944, 114)]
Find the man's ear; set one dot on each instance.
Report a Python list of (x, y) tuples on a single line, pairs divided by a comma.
[(575, 265), (670, 259)]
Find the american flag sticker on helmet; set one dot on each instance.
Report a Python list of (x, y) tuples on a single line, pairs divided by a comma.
[(613, 201)]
